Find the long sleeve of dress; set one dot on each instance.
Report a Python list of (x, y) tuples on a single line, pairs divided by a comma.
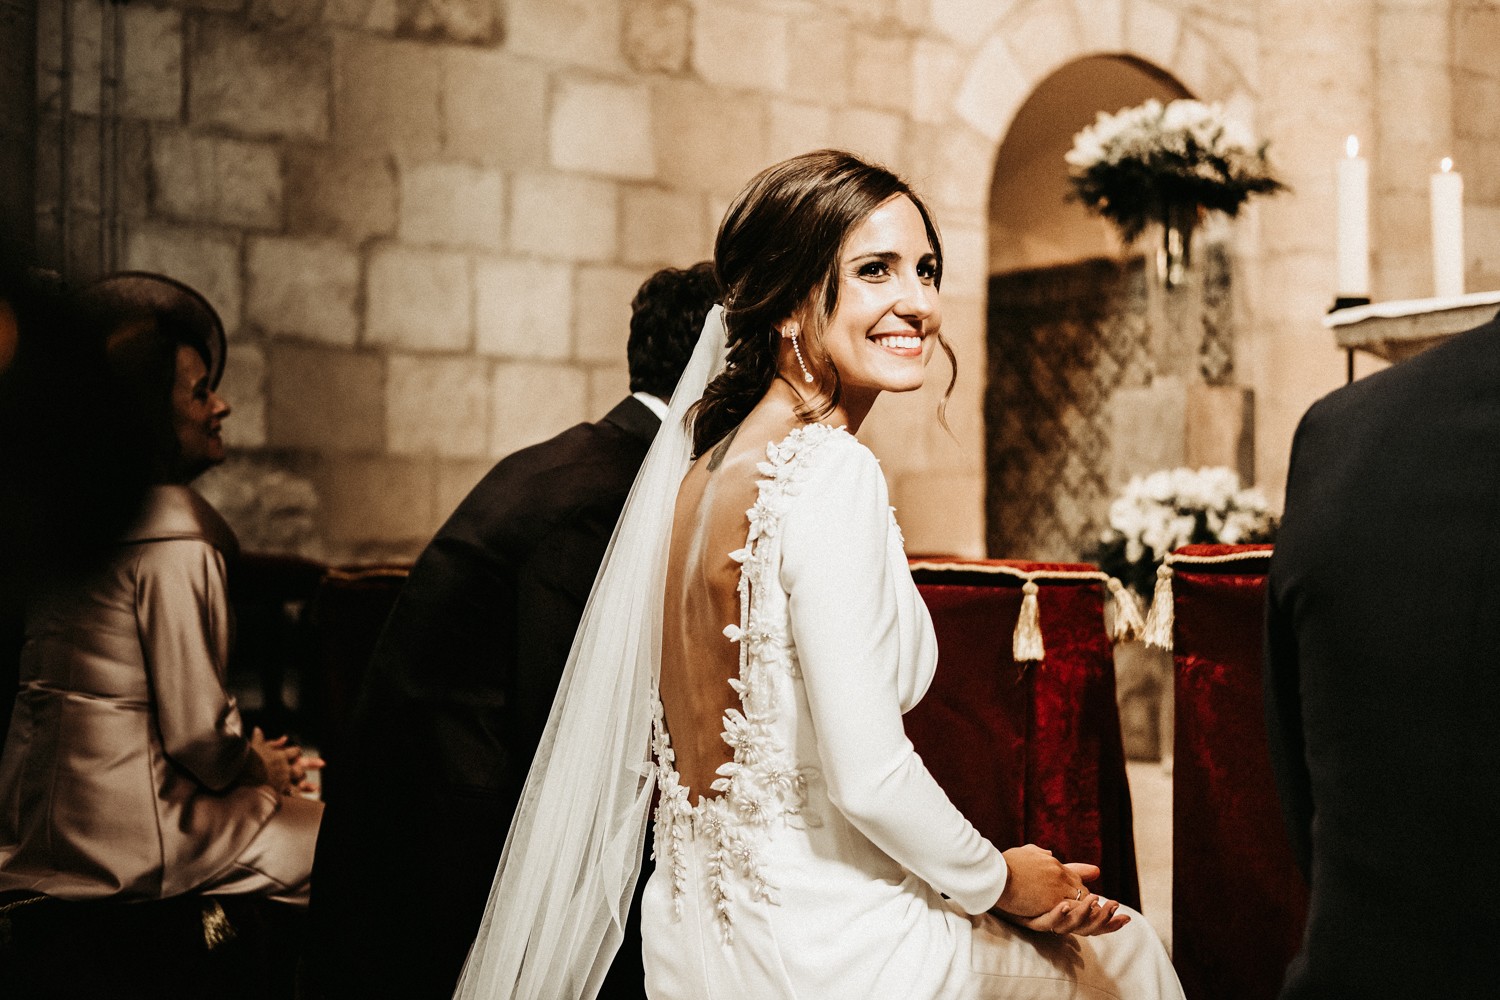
[(183, 618), (838, 573)]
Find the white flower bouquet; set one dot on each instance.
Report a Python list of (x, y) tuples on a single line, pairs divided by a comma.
[(1140, 164), (1176, 507)]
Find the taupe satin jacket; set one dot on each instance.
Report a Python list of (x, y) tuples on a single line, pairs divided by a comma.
[(118, 776)]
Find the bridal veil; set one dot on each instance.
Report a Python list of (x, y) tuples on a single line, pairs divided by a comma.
[(557, 907)]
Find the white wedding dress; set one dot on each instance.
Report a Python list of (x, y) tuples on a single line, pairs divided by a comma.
[(820, 869)]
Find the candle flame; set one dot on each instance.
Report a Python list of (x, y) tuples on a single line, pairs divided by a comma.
[(1351, 146), (1447, 164)]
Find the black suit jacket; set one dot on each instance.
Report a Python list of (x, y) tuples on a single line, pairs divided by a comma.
[(1383, 677), (454, 704)]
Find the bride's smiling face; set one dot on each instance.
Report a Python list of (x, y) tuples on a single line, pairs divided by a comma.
[(884, 329)]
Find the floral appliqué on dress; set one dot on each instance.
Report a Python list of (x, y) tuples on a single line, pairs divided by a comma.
[(762, 786)]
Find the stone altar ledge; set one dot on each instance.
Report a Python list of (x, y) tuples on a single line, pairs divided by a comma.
[(1397, 330)]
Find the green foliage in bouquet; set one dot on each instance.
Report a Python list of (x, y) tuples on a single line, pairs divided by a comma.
[(1134, 166)]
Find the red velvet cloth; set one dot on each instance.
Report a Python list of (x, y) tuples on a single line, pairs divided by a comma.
[(1238, 899), (1030, 753)]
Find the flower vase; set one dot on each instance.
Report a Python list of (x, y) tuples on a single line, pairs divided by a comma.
[(1174, 257)]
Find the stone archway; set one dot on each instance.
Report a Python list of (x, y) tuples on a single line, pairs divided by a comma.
[(1018, 52)]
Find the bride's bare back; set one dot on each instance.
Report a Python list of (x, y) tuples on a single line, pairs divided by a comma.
[(702, 595)]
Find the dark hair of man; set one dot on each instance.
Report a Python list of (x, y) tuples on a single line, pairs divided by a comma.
[(666, 317), (777, 253), (144, 319)]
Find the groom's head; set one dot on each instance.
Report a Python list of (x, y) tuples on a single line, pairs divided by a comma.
[(667, 315)]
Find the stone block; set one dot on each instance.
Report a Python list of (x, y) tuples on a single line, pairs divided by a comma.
[(824, 79), (880, 70), (387, 95), (797, 128), (1482, 246), (951, 167), (1101, 25), (741, 48), (603, 312), (657, 35), (1149, 430), (331, 192), (559, 216), (1221, 428), (455, 479), (602, 127), (967, 20), (84, 56), (244, 389), (494, 108), (523, 308), (1415, 34), (305, 288), (472, 22), (288, 13), (380, 501), (325, 399), (937, 71), (1151, 31), (573, 32), (1408, 94), (151, 64), (531, 402), (209, 263), (662, 228), (1197, 64), (1044, 39), (707, 139), (257, 81), (1476, 37), (371, 15), (418, 300), (993, 90), (452, 204), (208, 179), (874, 135), (270, 508), (436, 406), (1479, 97), (965, 260), (608, 385), (941, 513)]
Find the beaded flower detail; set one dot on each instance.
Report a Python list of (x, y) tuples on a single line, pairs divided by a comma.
[(762, 786)]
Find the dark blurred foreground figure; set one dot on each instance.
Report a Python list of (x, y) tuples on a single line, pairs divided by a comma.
[(126, 774), (69, 481), (1382, 693), (462, 681)]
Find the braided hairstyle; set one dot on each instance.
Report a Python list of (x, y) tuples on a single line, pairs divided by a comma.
[(777, 254)]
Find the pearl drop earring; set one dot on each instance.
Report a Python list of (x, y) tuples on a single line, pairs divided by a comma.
[(807, 376)]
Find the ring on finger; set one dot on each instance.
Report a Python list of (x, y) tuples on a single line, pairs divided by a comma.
[(1079, 893)]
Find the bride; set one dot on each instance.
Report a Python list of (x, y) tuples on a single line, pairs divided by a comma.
[(756, 627)]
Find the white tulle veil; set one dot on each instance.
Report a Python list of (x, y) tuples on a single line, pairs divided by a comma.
[(557, 906)]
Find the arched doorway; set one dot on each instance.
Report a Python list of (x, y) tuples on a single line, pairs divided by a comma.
[(1092, 369)]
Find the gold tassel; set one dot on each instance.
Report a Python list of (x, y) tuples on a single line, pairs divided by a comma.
[(216, 926), (1026, 645), (1158, 630), (1127, 624)]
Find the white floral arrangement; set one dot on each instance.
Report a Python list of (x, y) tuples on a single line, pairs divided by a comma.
[(1175, 507), (1133, 166)]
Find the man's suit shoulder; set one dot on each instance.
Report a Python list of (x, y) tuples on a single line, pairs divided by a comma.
[(1465, 363), (530, 492)]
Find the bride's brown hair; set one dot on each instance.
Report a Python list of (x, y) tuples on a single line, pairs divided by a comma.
[(777, 252)]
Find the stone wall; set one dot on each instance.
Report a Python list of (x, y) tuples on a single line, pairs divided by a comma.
[(423, 219)]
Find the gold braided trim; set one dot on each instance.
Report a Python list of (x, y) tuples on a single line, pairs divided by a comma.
[(1163, 614), (1026, 640)]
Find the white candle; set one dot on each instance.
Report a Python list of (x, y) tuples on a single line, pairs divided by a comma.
[(1354, 222), (1447, 231)]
